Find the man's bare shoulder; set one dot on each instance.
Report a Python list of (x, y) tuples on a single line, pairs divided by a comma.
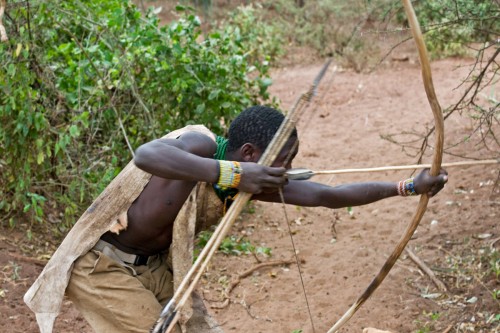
[(198, 143)]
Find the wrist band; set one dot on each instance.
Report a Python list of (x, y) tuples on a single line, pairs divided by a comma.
[(406, 188), (229, 174)]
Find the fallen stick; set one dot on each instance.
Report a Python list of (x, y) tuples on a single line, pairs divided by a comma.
[(441, 286), (235, 281), (30, 260), (448, 329), (249, 271), (222, 305)]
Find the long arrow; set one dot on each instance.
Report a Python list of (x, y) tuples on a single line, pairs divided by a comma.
[(304, 174)]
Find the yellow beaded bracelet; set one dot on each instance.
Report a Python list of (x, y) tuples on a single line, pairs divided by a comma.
[(229, 174)]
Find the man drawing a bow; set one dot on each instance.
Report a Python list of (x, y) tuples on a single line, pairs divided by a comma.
[(124, 257)]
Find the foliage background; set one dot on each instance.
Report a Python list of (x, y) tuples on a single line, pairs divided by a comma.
[(84, 84)]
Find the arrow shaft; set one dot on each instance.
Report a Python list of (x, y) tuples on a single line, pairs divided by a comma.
[(404, 167)]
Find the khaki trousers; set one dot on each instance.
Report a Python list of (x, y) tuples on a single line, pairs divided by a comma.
[(115, 297)]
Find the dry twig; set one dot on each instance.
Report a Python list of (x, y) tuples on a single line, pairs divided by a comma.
[(480, 77), (222, 305), (249, 271), (31, 260), (448, 329), (441, 286), (236, 280)]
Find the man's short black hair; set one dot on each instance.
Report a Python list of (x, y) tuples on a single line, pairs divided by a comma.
[(256, 125)]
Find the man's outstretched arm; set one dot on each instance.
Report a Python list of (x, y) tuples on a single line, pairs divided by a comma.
[(306, 193)]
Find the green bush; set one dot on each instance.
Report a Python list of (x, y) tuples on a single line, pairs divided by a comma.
[(330, 28), (263, 41), (451, 25), (321, 25), (347, 29), (85, 83)]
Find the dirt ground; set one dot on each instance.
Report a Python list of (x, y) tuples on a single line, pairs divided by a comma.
[(341, 250)]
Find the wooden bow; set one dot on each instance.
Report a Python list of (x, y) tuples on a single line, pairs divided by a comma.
[(435, 168)]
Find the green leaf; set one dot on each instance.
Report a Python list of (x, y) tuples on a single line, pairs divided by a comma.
[(266, 82), (214, 94), (40, 157), (65, 47), (26, 208), (200, 108), (74, 131), (107, 53), (11, 70), (18, 49)]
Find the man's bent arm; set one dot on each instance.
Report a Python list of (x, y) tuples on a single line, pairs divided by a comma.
[(190, 158), (185, 158)]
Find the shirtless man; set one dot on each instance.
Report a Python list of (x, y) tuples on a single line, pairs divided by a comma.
[(140, 288)]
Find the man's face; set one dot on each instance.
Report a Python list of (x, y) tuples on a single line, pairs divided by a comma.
[(287, 154)]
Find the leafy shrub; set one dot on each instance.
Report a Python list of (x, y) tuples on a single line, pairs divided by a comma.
[(230, 245), (452, 24), (334, 27), (263, 41), (312, 24), (330, 27), (85, 83)]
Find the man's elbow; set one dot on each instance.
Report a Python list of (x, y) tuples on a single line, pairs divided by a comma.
[(142, 157)]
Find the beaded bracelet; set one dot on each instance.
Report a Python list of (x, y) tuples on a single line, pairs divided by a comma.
[(229, 174), (406, 188)]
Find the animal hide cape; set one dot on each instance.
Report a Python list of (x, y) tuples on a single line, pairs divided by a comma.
[(106, 213)]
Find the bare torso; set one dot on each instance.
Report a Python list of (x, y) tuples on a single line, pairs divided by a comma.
[(151, 217)]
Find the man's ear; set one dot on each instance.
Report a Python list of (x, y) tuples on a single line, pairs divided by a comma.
[(250, 152)]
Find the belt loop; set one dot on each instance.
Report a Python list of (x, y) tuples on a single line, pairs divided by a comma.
[(141, 260)]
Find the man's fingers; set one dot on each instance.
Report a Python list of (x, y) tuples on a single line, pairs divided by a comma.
[(432, 184), (270, 181), (275, 177), (275, 171), (443, 177), (437, 187)]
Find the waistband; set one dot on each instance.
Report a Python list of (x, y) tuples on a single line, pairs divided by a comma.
[(127, 258)]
